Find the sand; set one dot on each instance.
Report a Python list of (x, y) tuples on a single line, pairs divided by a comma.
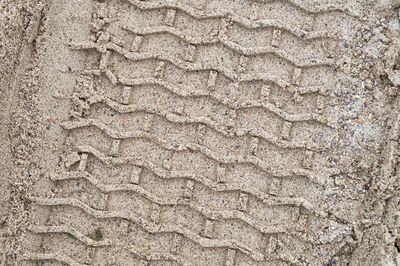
[(199, 132)]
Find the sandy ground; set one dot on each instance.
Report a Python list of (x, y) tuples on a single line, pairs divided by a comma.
[(199, 132)]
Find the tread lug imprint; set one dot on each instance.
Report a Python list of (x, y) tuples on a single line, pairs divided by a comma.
[(199, 140)]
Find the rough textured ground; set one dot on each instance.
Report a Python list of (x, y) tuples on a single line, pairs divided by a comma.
[(199, 132)]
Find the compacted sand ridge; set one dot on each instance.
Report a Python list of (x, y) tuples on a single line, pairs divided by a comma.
[(199, 132)]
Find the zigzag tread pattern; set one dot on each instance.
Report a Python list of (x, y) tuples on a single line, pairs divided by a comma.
[(132, 248), (209, 214), (253, 51), (227, 71), (214, 230), (221, 12), (151, 226), (252, 160)]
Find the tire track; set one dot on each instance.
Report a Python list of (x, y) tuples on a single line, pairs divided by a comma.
[(170, 174), (132, 248), (180, 91), (116, 134), (116, 78), (221, 128), (252, 160), (235, 47), (159, 4), (253, 182), (234, 75), (205, 212), (149, 226), (231, 104)]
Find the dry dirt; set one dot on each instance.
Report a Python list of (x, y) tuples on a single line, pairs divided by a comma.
[(199, 132)]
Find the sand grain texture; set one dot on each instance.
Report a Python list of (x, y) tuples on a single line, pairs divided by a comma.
[(199, 132)]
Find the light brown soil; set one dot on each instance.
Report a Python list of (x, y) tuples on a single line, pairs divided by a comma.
[(199, 132)]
